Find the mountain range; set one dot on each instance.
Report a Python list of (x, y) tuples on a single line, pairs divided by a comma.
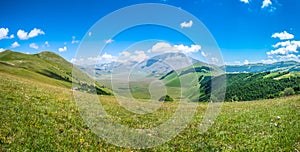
[(243, 82), (163, 64)]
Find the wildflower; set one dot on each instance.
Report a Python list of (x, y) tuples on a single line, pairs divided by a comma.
[(81, 141)]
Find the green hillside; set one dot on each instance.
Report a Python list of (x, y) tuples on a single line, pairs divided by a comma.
[(40, 117), (47, 67), (254, 86), (239, 86)]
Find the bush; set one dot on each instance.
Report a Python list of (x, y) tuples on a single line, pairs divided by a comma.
[(288, 91), (166, 98)]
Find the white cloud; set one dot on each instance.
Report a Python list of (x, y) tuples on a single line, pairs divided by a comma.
[(90, 33), (22, 35), (289, 57), (1, 49), (34, 46), (283, 35), (64, 49), (79, 61), (203, 54), (245, 1), (285, 48), (105, 58), (296, 43), (125, 54), (108, 57), (266, 3), (136, 56), (15, 44), (47, 44), (4, 34), (186, 24), (246, 62), (109, 41), (74, 41), (282, 44), (214, 60), (33, 33), (186, 49), (269, 61), (163, 47)]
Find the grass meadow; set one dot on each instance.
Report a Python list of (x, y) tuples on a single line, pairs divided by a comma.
[(37, 116)]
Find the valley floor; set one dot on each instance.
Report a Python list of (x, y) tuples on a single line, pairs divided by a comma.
[(41, 117)]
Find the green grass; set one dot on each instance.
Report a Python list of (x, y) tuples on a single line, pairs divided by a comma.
[(45, 67), (36, 116)]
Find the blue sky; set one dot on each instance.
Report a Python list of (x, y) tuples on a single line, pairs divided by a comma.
[(247, 31)]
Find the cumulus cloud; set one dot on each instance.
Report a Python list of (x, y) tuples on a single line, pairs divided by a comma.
[(1, 49), (109, 41), (284, 50), (34, 46), (245, 1), (79, 61), (136, 56), (105, 58), (33, 33), (289, 57), (163, 47), (203, 54), (186, 24), (283, 35), (64, 49), (74, 41), (4, 34), (269, 61), (15, 44), (125, 54), (286, 43), (266, 3), (186, 49)]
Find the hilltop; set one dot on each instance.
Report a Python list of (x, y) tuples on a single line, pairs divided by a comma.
[(47, 67)]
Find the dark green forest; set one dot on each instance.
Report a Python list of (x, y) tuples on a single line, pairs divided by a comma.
[(253, 86)]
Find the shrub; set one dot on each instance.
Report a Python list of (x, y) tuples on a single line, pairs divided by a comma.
[(166, 98), (288, 91)]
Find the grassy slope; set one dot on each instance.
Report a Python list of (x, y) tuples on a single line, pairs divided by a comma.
[(39, 117), (46, 67)]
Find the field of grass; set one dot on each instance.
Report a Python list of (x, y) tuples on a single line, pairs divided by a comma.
[(36, 116)]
